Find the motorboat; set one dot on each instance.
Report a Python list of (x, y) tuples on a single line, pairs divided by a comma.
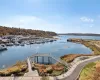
[(9, 44), (3, 47)]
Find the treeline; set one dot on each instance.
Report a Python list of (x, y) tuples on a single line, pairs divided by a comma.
[(19, 31)]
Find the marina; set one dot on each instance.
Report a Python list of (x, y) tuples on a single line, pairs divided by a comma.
[(57, 49)]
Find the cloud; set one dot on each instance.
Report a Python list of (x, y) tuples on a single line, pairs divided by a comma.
[(30, 22), (86, 19)]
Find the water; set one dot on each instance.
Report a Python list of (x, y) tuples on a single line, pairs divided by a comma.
[(57, 49)]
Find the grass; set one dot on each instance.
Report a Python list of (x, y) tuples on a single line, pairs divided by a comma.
[(94, 48), (18, 69), (45, 78), (70, 57), (56, 73), (87, 72), (59, 72), (52, 70)]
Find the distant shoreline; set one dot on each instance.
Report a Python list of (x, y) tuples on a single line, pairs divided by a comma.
[(80, 34)]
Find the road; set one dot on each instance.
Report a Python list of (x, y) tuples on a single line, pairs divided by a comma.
[(75, 73)]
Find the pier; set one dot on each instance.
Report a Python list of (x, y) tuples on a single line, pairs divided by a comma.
[(37, 56), (30, 71), (50, 58)]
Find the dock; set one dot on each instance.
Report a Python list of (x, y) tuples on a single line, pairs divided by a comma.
[(50, 58)]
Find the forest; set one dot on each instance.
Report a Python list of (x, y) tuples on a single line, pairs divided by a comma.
[(19, 31)]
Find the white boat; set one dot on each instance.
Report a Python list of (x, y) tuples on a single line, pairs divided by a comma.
[(38, 42), (16, 43), (9, 44), (27, 43), (22, 44), (3, 47)]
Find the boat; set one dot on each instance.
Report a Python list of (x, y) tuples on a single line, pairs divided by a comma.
[(42, 41), (16, 43), (9, 44), (31, 42), (38, 42), (27, 43), (3, 47), (22, 44), (51, 40)]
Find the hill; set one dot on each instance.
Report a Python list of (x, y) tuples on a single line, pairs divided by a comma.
[(19, 31)]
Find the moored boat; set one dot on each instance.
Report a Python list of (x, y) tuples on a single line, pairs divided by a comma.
[(16, 43), (9, 44), (22, 44), (3, 47)]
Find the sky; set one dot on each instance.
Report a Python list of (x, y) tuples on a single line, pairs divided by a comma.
[(60, 16)]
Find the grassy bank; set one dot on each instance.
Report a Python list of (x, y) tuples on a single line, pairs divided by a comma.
[(70, 57), (92, 46), (52, 70), (88, 43), (91, 71), (18, 69)]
